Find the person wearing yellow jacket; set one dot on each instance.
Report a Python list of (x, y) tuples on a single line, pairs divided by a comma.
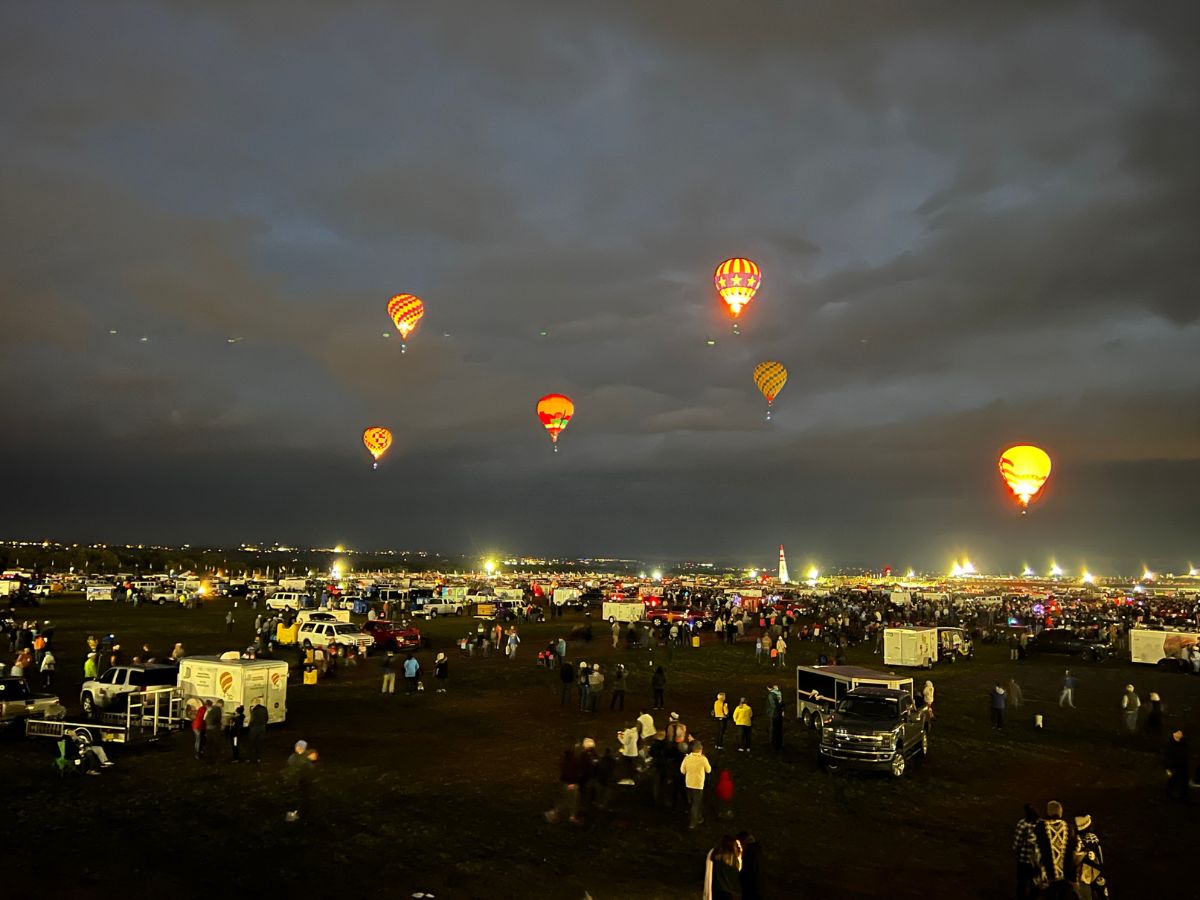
[(721, 714), (743, 715)]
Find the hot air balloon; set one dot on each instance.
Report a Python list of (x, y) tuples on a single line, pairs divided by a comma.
[(769, 378), (555, 411), (1024, 469), (377, 441), (405, 310), (737, 281)]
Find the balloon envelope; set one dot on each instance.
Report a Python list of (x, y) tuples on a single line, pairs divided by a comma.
[(769, 378), (405, 310), (555, 411), (377, 441), (1024, 469), (737, 282)]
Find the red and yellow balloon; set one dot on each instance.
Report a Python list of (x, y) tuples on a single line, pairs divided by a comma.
[(769, 378), (405, 311), (555, 412), (377, 440), (1025, 469), (737, 282)]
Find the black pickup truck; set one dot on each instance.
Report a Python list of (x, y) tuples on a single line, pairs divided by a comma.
[(873, 728), (1066, 642)]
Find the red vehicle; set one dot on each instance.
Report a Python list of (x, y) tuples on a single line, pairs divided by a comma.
[(676, 614), (393, 635)]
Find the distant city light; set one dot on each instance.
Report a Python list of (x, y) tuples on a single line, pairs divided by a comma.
[(339, 549), (489, 567), (967, 567), (1027, 572), (956, 570), (911, 574), (1147, 575), (753, 573), (1055, 570), (1088, 577), (813, 573), (656, 575)]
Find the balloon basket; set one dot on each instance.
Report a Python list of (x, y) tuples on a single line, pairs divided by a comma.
[(768, 414), (374, 465), (556, 448), (404, 348)]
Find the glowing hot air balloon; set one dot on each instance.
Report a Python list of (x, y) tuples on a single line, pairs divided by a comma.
[(769, 378), (1024, 469), (377, 441), (737, 281), (555, 411), (405, 310)]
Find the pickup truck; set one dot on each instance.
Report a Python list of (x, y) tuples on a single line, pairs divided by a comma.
[(431, 609), (393, 635), (873, 728), (17, 702)]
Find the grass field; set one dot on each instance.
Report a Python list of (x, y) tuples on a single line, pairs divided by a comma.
[(443, 793)]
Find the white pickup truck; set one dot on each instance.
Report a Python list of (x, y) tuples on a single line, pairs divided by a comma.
[(17, 702), (448, 606), (322, 634)]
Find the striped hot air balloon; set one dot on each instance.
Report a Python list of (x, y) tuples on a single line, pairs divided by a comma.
[(555, 411), (737, 281), (1025, 469), (377, 440), (769, 378), (405, 311)]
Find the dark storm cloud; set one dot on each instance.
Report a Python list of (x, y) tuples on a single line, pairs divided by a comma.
[(976, 222)]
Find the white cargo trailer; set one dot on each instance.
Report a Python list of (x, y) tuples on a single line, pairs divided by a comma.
[(1153, 646), (623, 611), (239, 682), (910, 646)]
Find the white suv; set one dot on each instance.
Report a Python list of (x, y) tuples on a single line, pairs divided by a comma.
[(111, 688), (286, 600), (322, 634)]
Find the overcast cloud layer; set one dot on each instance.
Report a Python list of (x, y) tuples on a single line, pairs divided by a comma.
[(977, 224)]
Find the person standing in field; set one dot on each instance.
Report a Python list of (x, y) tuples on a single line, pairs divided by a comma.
[(389, 674), (257, 731), (1131, 703), (743, 717), (658, 683), (620, 679), (721, 714), (999, 701), (694, 768)]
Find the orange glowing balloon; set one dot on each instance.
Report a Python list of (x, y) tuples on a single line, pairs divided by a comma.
[(555, 411), (737, 282), (1024, 469), (405, 311), (377, 441)]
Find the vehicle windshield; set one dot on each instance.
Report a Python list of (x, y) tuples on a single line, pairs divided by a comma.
[(869, 707), (346, 629)]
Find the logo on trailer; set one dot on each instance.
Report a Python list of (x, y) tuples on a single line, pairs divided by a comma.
[(275, 679), (226, 682)]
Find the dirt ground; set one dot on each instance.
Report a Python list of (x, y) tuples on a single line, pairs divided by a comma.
[(444, 793)]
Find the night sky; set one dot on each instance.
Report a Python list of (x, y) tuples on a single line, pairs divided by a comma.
[(978, 225)]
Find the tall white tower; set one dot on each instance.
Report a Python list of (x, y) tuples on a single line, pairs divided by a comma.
[(783, 572)]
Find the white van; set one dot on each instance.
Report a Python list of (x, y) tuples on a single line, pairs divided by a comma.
[(287, 600), (239, 682)]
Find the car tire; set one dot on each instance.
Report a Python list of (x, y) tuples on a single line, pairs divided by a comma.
[(458, 611), (433, 614), (612, 620), (830, 765), (899, 764), (806, 719), (1087, 656), (89, 705)]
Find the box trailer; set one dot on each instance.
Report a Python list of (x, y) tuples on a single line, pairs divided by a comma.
[(910, 646), (623, 611), (565, 595), (1157, 647), (820, 688), (239, 682)]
